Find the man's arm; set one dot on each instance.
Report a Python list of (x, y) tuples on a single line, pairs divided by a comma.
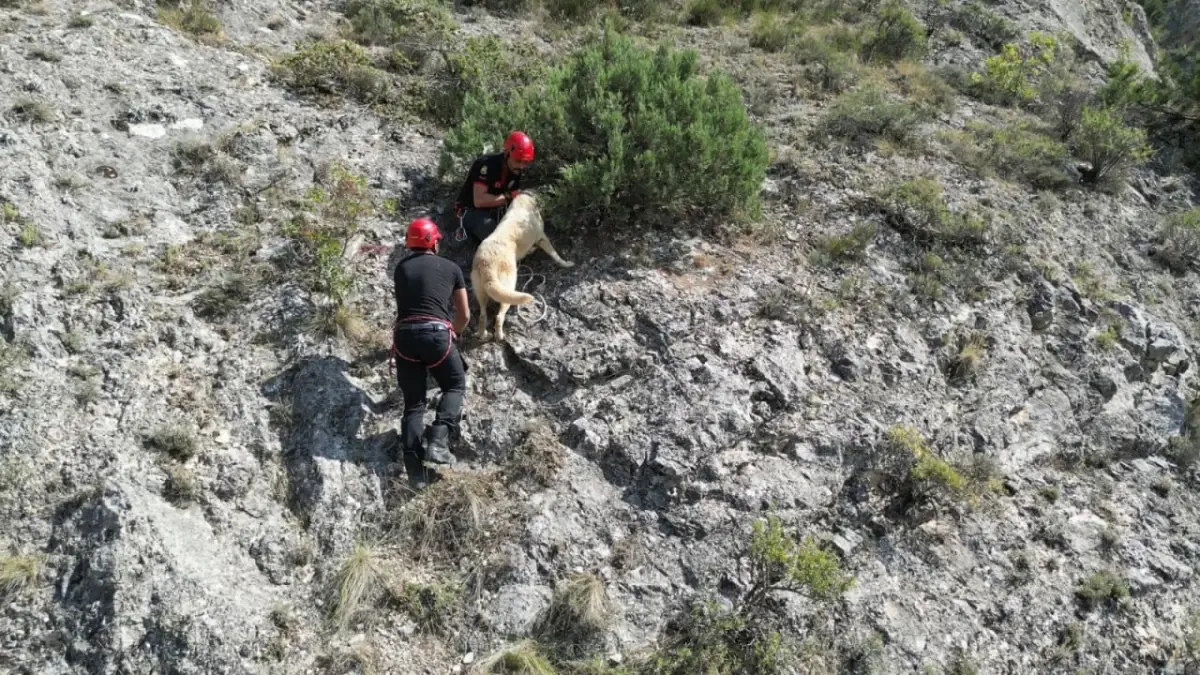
[(484, 200), (462, 310)]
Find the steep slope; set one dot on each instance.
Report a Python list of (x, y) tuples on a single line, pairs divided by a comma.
[(187, 467)]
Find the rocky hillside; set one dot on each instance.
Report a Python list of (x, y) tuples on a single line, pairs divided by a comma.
[(957, 373)]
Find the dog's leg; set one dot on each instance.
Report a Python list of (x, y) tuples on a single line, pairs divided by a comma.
[(545, 245), (500, 321), (481, 297)]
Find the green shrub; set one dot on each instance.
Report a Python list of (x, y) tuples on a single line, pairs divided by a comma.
[(983, 23), (847, 247), (482, 63), (1019, 73), (771, 32), (895, 35), (925, 88), (1108, 145), (777, 562), (332, 216), (1101, 588), (1017, 152), (917, 207), (413, 23), (865, 116), (195, 18), (627, 131), (715, 641), (1179, 241), (923, 473), (829, 57), (337, 68), (704, 12)]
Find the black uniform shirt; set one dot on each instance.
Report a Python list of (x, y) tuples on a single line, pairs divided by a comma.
[(425, 283), (489, 170)]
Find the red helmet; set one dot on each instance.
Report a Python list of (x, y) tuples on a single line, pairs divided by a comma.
[(422, 233), (519, 146)]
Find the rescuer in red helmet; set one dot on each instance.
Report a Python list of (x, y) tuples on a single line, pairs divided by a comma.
[(431, 312), (492, 183)]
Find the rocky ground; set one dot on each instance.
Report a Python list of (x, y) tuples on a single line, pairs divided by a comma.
[(186, 467)]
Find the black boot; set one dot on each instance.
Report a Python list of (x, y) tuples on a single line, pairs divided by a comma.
[(437, 445)]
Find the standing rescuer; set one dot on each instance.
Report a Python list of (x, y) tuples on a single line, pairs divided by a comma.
[(429, 291), (493, 182)]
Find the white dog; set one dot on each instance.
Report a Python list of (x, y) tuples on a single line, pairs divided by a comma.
[(494, 270)]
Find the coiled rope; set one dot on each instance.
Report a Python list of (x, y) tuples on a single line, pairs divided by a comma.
[(529, 277)]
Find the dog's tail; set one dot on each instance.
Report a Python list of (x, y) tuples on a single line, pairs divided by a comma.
[(501, 294)]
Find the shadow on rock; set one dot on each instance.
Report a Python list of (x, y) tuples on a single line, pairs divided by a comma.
[(336, 475)]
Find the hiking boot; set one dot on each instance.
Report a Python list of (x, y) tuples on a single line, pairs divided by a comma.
[(437, 445)]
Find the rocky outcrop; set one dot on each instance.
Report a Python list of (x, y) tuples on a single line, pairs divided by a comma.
[(192, 465)]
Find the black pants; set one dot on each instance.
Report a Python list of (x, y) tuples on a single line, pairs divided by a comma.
[(479, 223), (429, 344)]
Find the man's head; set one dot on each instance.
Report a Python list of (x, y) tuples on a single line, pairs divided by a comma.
[(518, 151), (423, 234)]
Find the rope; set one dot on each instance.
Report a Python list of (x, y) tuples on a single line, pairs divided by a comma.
[(530, 276)]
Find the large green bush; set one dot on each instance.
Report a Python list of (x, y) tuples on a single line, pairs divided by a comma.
[(625, 131)]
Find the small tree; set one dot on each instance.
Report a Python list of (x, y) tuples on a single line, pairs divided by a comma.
[(626, 132), (1111, 148), (778, 562), (897, 35)]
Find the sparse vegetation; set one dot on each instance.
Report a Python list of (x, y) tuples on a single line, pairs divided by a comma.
[(917, 208), (360, 581), (1102, 589), (483, 63), (895, 34), (912, 466), (577, 613), (331, 215), (446, 519), (777, 562), (1019, 151), (1178, 241), (430, 605), (18, 573), (175, 440), (181, 487), (36, 112), (523, 658), (333, 69), (193, 17), (866, 116), (846, 247)]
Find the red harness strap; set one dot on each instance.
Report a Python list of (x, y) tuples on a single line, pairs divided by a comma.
[(394, 352)]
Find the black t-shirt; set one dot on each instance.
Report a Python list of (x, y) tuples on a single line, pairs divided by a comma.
[(425, 283), (491, 171)]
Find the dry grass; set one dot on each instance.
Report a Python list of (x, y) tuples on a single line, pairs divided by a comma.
[(971, 352), (18, 573), (539, 456), (181, 487), (359, 583), (447, 517), (360, 658), (523, 658), (175, 440), (578, 611)]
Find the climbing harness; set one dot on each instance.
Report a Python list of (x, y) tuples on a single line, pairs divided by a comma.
[(393, 352)]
